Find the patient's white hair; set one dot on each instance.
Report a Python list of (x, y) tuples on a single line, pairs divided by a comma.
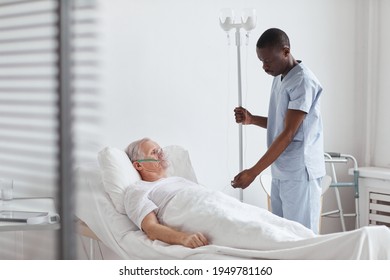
[(134, 151)]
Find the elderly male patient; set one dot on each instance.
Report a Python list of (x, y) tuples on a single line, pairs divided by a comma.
[(146, 201), (150, 162)]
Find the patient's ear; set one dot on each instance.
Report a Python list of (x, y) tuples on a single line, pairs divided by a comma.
[(137, 165)]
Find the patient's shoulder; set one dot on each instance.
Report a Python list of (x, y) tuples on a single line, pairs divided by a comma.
[(139, 186)]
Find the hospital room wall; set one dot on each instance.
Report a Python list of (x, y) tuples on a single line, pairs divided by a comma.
[(170, 75), (381, 155)]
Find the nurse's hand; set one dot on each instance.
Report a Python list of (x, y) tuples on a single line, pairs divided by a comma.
[(242, 115), (244, 179)]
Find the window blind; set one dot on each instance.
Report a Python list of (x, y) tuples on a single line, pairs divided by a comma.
[(49, 100)]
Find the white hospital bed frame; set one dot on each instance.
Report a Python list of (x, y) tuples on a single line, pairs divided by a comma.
[(337, 158), (83, 230)]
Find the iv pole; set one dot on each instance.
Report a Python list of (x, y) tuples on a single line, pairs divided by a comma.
[(227, 24)]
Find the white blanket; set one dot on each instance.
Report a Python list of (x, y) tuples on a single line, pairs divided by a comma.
[(118, 233), (244, 230)]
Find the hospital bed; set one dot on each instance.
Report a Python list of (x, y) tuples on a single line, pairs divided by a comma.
[(99, 218)]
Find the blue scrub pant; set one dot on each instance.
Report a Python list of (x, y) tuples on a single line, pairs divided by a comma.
[(298, 201)]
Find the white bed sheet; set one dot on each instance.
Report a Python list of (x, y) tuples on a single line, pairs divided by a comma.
[(118, 233)]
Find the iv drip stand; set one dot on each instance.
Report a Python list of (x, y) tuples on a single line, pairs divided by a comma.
[(240, 135), (248, 25)]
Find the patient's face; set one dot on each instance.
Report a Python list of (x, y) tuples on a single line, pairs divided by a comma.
[(152, 150), (153, 165)]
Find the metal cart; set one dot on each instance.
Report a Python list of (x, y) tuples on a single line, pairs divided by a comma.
[(337, 158)]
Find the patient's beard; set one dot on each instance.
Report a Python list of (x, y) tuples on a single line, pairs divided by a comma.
[(164, 163), (161, 165)]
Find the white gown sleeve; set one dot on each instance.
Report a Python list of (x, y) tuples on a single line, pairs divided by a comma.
[(138, 205)]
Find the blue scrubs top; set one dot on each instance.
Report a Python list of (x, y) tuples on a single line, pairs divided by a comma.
[(304, 158)]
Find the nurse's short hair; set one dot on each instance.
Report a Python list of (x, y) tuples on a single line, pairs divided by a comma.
[(134, 151), (274, 38)]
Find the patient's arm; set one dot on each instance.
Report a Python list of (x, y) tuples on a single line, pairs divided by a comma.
[(154, 230)]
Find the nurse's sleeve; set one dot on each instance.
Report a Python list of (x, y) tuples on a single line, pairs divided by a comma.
[(137, 205), (303, 95)]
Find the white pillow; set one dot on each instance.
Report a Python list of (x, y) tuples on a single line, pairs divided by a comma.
[(180, 163), (117, 173)]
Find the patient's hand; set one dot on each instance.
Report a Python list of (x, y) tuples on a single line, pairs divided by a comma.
[(194, 240), (154, 230)]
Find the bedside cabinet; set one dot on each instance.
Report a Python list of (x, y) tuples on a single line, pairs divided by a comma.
[(374, 196)]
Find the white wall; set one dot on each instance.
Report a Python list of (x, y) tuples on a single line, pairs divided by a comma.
[(382, 132), (170, 75)]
